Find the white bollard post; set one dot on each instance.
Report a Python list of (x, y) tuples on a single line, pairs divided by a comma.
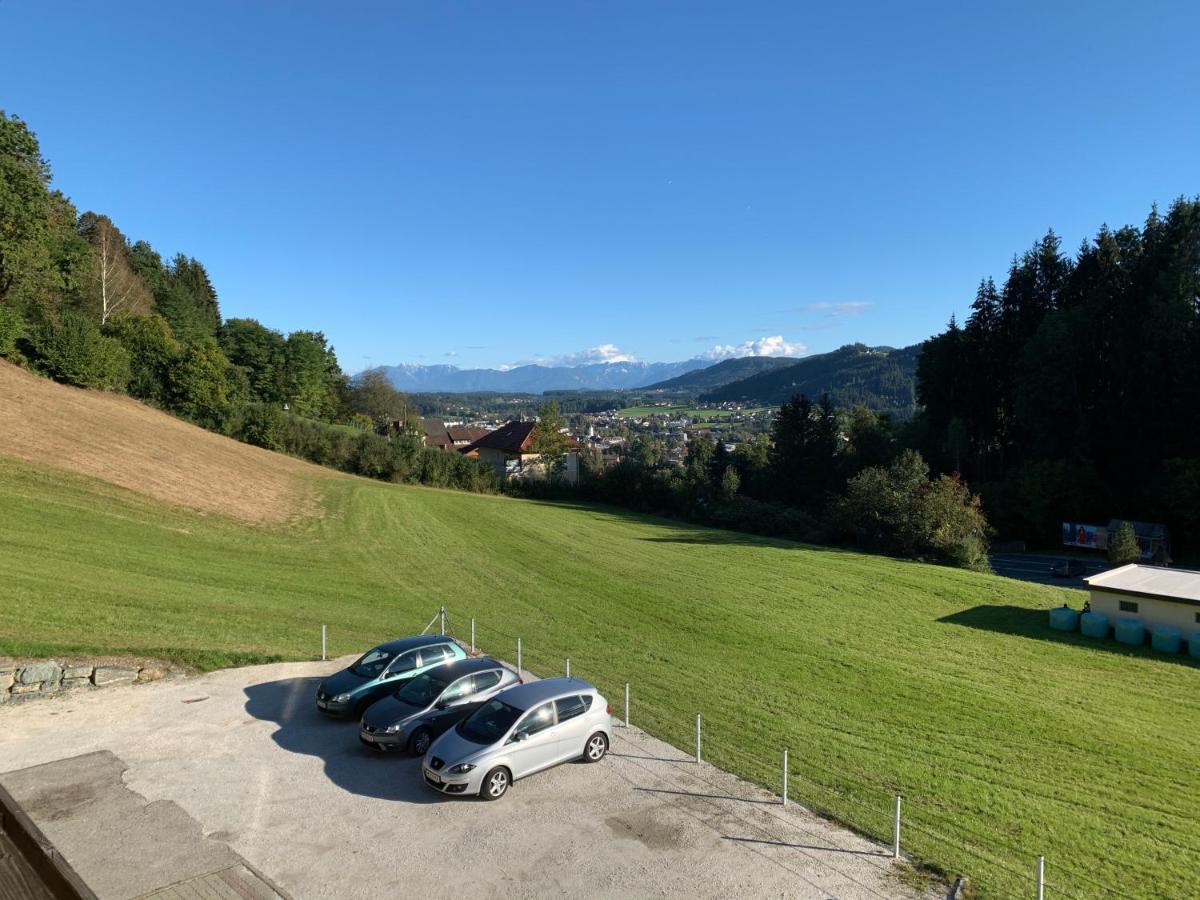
[(785, 778), (896, 831), (627, 704), (568, 667), (442, 614), (1041, 875), (519, 675), (323, 642), (472, 636), (697, 738)]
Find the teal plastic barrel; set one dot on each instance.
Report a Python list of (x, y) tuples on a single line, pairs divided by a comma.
[(1063, 618), (1130, 631), (1194, 645), (1094, 625), (1166, 638)]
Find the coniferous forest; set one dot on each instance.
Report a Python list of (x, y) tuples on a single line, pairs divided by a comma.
[(1072, 391)]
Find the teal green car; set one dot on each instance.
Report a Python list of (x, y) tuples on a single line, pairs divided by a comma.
[(381, 671)]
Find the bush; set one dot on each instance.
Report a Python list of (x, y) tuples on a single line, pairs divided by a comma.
[(203, 386), (900, 511), (71, 349), (153, 351), (12, 327), (260, 424), (373, 456)]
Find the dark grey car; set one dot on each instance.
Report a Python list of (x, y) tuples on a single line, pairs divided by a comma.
[(431, 703)]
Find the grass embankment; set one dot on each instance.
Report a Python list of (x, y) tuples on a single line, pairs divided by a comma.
[(878, 675)]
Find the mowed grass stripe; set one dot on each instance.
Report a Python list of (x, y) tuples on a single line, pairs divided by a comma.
[(878, 675)]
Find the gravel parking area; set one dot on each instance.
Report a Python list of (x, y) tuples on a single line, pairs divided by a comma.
[(237, 774)]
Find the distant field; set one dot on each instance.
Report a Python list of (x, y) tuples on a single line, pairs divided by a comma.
[(690, 412), (878, 675)]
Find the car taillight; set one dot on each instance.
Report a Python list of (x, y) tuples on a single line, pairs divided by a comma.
[(608, 709)]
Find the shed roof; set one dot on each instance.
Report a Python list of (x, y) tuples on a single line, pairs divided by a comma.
[(1179, 585)]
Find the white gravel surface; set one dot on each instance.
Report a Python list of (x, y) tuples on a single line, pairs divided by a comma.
[(245, 753)]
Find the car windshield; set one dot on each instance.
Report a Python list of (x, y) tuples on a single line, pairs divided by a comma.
[(372, 663), (489, 723), (422, 690)]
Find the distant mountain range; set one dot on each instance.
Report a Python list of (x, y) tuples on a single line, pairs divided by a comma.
[(882, 378), (535, 379), (723, 373)]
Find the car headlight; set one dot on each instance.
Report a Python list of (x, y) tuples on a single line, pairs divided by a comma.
[(341, 698), (462, 769), (392, 729)]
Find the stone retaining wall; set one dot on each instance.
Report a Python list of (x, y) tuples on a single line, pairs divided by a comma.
[(22, 681)]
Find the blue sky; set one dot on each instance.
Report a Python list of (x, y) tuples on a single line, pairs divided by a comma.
[(489, 183)]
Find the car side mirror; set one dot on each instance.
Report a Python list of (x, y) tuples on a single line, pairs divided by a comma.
[(521, 736), (441, 704)]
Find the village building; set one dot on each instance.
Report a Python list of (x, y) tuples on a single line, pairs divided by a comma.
[(508, 451), (1150, 594)]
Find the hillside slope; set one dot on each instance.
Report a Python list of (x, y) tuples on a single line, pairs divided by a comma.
[(1006, 739), (722, 373), (879, 377), (126, 443)]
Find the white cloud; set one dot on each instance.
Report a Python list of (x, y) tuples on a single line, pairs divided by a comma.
[(450, 353), (844, 308), (764, 346), (602, 353)]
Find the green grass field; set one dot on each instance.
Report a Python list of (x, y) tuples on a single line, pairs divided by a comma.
[(1006, 739), (690, 412)]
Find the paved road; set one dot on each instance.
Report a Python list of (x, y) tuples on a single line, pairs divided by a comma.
[(1036, 567), (236, 768)]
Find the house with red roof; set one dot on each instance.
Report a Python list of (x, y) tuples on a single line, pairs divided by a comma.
[(507, 450)]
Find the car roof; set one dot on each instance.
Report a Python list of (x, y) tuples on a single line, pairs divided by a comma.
[(526, 696), (459, 667), (411, 643)]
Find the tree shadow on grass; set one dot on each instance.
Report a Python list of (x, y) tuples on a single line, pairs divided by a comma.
[(1034, 624), (291, 705)]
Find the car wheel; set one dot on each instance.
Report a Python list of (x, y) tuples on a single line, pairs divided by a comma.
[(595, 748), (495, 784), (418, 744)]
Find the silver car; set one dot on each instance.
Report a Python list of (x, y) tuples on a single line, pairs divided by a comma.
[(432, 702), (518, 732)]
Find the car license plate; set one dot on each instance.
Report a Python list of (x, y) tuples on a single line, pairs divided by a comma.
[(321, 704), (436, 779), (369, 738)]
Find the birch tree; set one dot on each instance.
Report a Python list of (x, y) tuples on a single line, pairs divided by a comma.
[(117, 287)]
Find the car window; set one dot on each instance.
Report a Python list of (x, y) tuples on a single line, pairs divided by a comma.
[(570, 707), (460, 688), (372, 662), (405, 662), (587, 701), (432, 656), (422, 690), (489, 723), (485, 680), (538, 719)]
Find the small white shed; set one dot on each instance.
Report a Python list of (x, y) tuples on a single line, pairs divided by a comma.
[(1150, 594)]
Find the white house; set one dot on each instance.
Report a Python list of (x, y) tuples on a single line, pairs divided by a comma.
[(1151, 594)]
